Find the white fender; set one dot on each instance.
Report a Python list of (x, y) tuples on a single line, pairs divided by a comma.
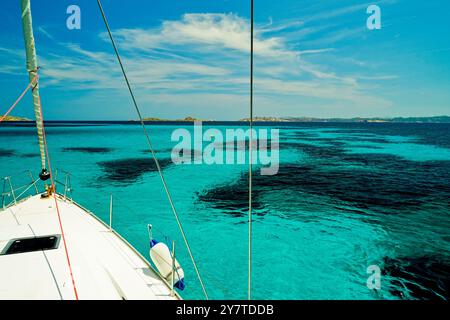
[(162, 258)]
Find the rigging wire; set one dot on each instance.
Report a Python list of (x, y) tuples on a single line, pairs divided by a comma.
[(28, 187), (151, 149), (250, 167)]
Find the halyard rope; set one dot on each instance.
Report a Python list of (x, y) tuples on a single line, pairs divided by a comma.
[(20, 97), (169, 197)]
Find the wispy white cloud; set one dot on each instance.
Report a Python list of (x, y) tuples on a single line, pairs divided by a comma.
[(331, 38), (202, 32), (333, 13), (303, 52), (11, 60), (12, 52), (382, 77), (42, 30), (207, 55)]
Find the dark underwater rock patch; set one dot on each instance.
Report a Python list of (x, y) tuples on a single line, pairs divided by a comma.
[(304, 135), (131, 169), (366, 182), (367, 146), (7, 153), (164, 151), (370, 140), (181, 153), (426, 133), (29, 155), (390, 185), (88, 149), (425, 278), (244, 145), (18, 133), (233, 199), (330, 153)]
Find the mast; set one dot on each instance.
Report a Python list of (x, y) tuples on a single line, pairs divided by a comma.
[(32, 67)]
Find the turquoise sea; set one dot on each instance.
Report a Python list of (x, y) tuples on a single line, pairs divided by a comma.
[(347, 196)]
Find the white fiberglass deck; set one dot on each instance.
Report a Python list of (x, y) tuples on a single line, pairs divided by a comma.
[(104, 265)]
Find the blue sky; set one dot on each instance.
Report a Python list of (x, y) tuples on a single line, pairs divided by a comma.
[(190, 57)]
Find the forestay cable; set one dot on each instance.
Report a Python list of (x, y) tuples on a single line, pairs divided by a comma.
[(169, 197)]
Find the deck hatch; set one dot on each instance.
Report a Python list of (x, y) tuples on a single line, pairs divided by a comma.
[(31, 244)]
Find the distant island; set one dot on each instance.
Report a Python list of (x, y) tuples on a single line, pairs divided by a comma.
[(187, 119), (435, 119), (11, 118)]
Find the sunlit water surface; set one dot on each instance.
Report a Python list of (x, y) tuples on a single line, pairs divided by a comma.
[(346, 196)]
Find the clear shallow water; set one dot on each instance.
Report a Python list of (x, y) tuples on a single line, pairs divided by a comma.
[(347, 196)]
